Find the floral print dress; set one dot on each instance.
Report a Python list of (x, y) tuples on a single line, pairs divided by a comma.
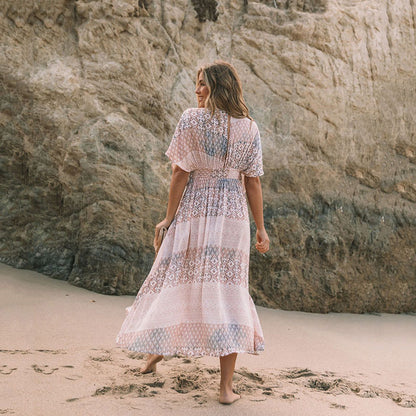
[(195, 300)]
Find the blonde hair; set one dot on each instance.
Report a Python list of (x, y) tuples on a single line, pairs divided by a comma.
[(225, 91)]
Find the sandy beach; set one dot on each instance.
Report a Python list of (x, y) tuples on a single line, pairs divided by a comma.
[(58, 357)]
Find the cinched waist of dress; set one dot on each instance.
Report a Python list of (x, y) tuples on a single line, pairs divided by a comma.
[(228, 173)]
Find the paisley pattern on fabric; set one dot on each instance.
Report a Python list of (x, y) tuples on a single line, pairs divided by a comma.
[(195, 300)]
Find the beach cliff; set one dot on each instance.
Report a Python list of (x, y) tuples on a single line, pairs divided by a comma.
[(91, 92)]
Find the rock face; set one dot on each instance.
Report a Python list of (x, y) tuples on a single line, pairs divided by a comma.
[(91, 92)]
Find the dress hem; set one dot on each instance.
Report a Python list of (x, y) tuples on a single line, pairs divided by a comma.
[(183, 353)]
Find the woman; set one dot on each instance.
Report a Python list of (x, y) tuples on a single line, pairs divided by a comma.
[(195, 300)]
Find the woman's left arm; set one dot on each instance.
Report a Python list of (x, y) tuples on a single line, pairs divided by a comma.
[(177, 186)]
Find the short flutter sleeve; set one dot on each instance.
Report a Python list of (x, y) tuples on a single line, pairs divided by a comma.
[(180, 150), (253, 163)]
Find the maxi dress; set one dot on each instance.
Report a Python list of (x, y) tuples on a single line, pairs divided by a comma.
[(195, 300)]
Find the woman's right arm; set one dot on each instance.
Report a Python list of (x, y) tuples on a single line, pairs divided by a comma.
[(177, 186), (255, 200)]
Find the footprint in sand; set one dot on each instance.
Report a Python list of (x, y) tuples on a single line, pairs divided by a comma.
[(298, 372), (267, 391), (200, 399), (337, 406), (288, 396), (43, 369), (248, 374), (52, 351), (184, 383), (125, 389), (251, 383), (73, 377), (15, 352), (6, 370), (106, 357), (344, 386), (156, 383), (212, 370)]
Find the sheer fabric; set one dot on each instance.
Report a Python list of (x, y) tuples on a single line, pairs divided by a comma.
[(195, 300)]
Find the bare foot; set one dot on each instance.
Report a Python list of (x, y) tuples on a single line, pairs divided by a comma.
[(229, 397), (150, 366)]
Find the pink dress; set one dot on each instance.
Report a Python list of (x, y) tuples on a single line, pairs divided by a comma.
[(195, 300)]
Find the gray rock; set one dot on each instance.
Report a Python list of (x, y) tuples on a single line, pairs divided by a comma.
[(91, 92)]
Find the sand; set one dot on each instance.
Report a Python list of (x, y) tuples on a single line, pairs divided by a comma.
[(58, 357)]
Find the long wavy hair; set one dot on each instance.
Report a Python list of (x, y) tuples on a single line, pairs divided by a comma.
[(225, 91)]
